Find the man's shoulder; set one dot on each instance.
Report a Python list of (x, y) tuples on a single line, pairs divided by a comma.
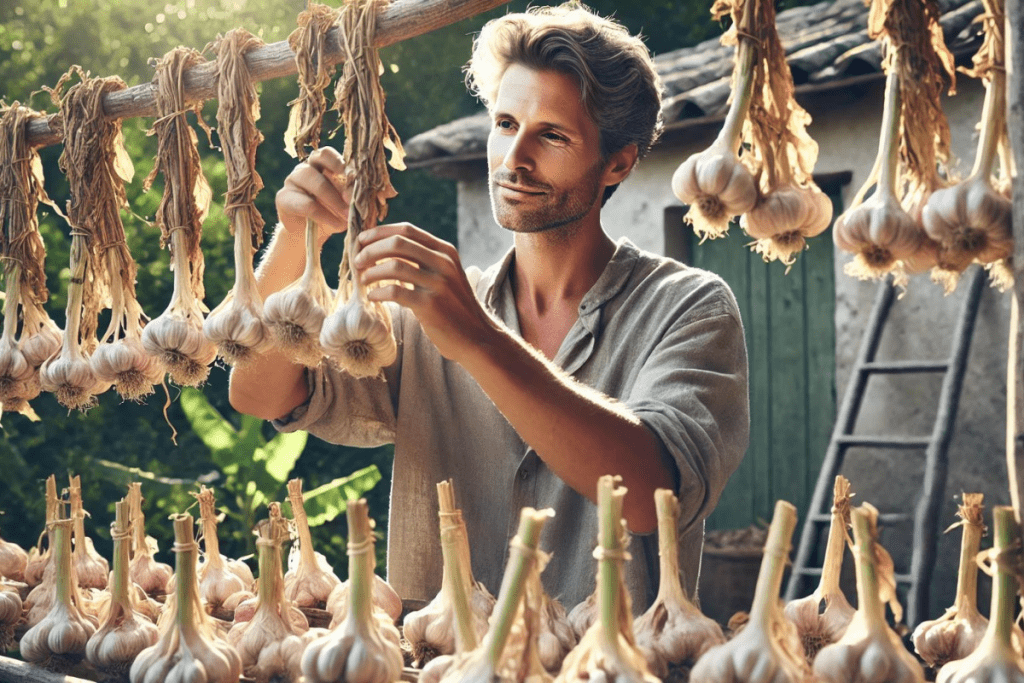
[(673, 284)]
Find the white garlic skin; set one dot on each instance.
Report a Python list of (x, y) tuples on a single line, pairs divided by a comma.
[(14, 368), (944, 640), (433, 627), (267, 645), (359, 339), (677, 632), (973, 217), (59, 633), (126, 364), (753, 656), (864, 654), (10, 604), (436, 668), (308, 586), (42, 343), (150, 575), (218, 583), (717, 186), (35, 568), (295, 318), (71, 379), (557, 636), (193, 661), (803, 211), (114, 647), (92, 568), (181, 346), (347, 654), (237, 329), (384, 598), (583, 615), (819, 628), (13, 561)]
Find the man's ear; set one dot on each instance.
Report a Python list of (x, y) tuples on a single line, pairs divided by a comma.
[(620, 164)]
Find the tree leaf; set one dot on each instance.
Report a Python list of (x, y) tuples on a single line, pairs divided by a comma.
[(326, 502), (215, 431), (282, 452)]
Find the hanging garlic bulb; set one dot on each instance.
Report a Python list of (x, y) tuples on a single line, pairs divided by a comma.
[(822, 617), (310, 582), (40, 336), (125, 632), (189, 648), (784, 218), (673, 630), (121, 359), (272, 642), (13, 560), (432, 631), (869, 650), (715, 183), (361, 649), (150, 575), (996, 660), (91, 567), (357, 335), (58, 641), (219, 578), (15, 370)]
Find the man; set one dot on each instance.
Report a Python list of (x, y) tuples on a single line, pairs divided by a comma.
[(573, 357)]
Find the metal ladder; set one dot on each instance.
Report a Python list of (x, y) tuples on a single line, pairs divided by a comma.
[(936, 447)]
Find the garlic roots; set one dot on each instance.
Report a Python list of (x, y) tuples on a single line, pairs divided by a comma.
[(150, 575), (310, 583), (357, 335), (869, 650), (823, 616)]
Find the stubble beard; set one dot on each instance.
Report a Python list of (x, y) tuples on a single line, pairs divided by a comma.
[(559, 217)]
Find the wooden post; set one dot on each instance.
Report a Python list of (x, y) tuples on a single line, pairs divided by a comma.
[(398, 21), (1015, 364), (14, 671)]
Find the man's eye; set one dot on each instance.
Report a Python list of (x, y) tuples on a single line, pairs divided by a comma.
[(504, 124), (555, 136)]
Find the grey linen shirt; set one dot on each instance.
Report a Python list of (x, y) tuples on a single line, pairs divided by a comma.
[(662, 338)]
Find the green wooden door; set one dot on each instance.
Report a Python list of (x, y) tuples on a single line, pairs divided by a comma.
[(790, 332)]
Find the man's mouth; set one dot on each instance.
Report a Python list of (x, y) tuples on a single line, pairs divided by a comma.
[(515, 188)]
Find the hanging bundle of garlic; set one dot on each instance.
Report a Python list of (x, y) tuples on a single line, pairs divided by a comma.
[(125, 632), (309, 43), (39, 559), (971, 219), (957, 633), (673, 631), (272, 642), (189, 647), (236, 326), (357, 335), (176, 336), (822, 617), (23, 252), (145, 571), (10, 613), (220, 578), (768, 648), (996, 660), (58, 640), (310, 583), (432, 630), (362, 648), (91, 567), (869, 650), (13, 560)]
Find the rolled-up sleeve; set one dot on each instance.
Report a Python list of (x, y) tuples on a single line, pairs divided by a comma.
[(692, 394)]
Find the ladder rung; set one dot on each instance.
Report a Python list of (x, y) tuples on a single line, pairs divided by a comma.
[(909, 442), (904, 578), (905, 366), (808, 571), (883, 518)]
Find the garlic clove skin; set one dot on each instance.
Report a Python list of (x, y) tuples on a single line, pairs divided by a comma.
[(295, 318), (13, 561), (819, 628), (557, 637), (583, 615), (783, 220), (179, 344), (14, 368), (717, 186), (384, 598), (151, 576), (72, 380), (970, 218), (945, 640), (91, 567), (42, 343), (238, 330), (218, 583), (36, 566), (358, 338), (879, 233), (126, 365), (10, 614), (113, 648), (310, 586), (436, 668)]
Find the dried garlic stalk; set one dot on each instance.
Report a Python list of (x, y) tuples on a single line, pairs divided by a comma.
[(822, 617), (869, 650), (176, 336), (39, 559), (220, 578), (189, 648), (125, 632), (362, 649), (768, 648), (13, 560), (996, 660), (790, 207), (24, 255), (673, 631), (309, 43), (971, 220), (150, 575), (357, 335), (311, 581), (91, 567), (58, 641), (434, 630), (10, 613), (236, 326)]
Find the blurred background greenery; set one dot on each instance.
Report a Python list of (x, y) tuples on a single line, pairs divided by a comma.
[(39, 41)]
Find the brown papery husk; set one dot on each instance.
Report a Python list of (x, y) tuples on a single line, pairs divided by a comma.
[(309, 42)]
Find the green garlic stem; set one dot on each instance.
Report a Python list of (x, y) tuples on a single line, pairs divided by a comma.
[(1004, 585), (867, 579), (609, 502)]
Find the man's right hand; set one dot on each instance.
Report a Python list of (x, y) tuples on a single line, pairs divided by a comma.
[(317, 188)]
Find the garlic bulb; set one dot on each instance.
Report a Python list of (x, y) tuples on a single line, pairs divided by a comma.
[(822, 617), (219, 578), (40, 336), (557, 637), (15, 370), (125, 632), (768, 648), (385, 598), (869, 650), (58, 641), (150, 575), (583, 615), (783, 219), (236, 326), (310, 582), (608, 651), (189, 648), (13, 560), (362, 649), (10, 613), (272, 641), (357, 335), (295, 315), (715, 183), (995, 660), (91, 567), (673, 631), (432, 630)]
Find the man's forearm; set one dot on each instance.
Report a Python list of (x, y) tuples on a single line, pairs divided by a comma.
[(578, 432)]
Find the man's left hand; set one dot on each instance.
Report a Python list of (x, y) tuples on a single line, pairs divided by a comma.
[(431, 283)]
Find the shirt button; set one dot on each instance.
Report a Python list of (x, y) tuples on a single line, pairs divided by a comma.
[(524, 474)]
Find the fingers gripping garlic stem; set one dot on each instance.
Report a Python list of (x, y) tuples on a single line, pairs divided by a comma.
[(673, 630), (716, 185), (10, 614), (995, 660), (309, 584), (361, 649), (145, 571), (13, 560), (869, 650), (819, 627), (295, 315), (768, 648), (957, 633), (58, 641), (189, 648), (125, 632), (91, 567), (217, 580)]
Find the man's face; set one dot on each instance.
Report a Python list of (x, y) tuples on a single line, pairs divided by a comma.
[(543, 153)]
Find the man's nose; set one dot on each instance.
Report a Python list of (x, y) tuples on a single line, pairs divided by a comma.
[(518, 156)]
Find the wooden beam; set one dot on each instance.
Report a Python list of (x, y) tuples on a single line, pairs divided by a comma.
[(14, 671), (401, 20), (1015, 364)]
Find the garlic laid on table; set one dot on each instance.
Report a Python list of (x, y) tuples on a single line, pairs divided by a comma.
[(310, 583), (10, 613), (13, 560), (91, 567), (145, 571), (220, 578)]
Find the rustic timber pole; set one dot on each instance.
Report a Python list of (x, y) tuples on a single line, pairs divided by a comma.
[(1015, 363), (14, 671), (401, 20)]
